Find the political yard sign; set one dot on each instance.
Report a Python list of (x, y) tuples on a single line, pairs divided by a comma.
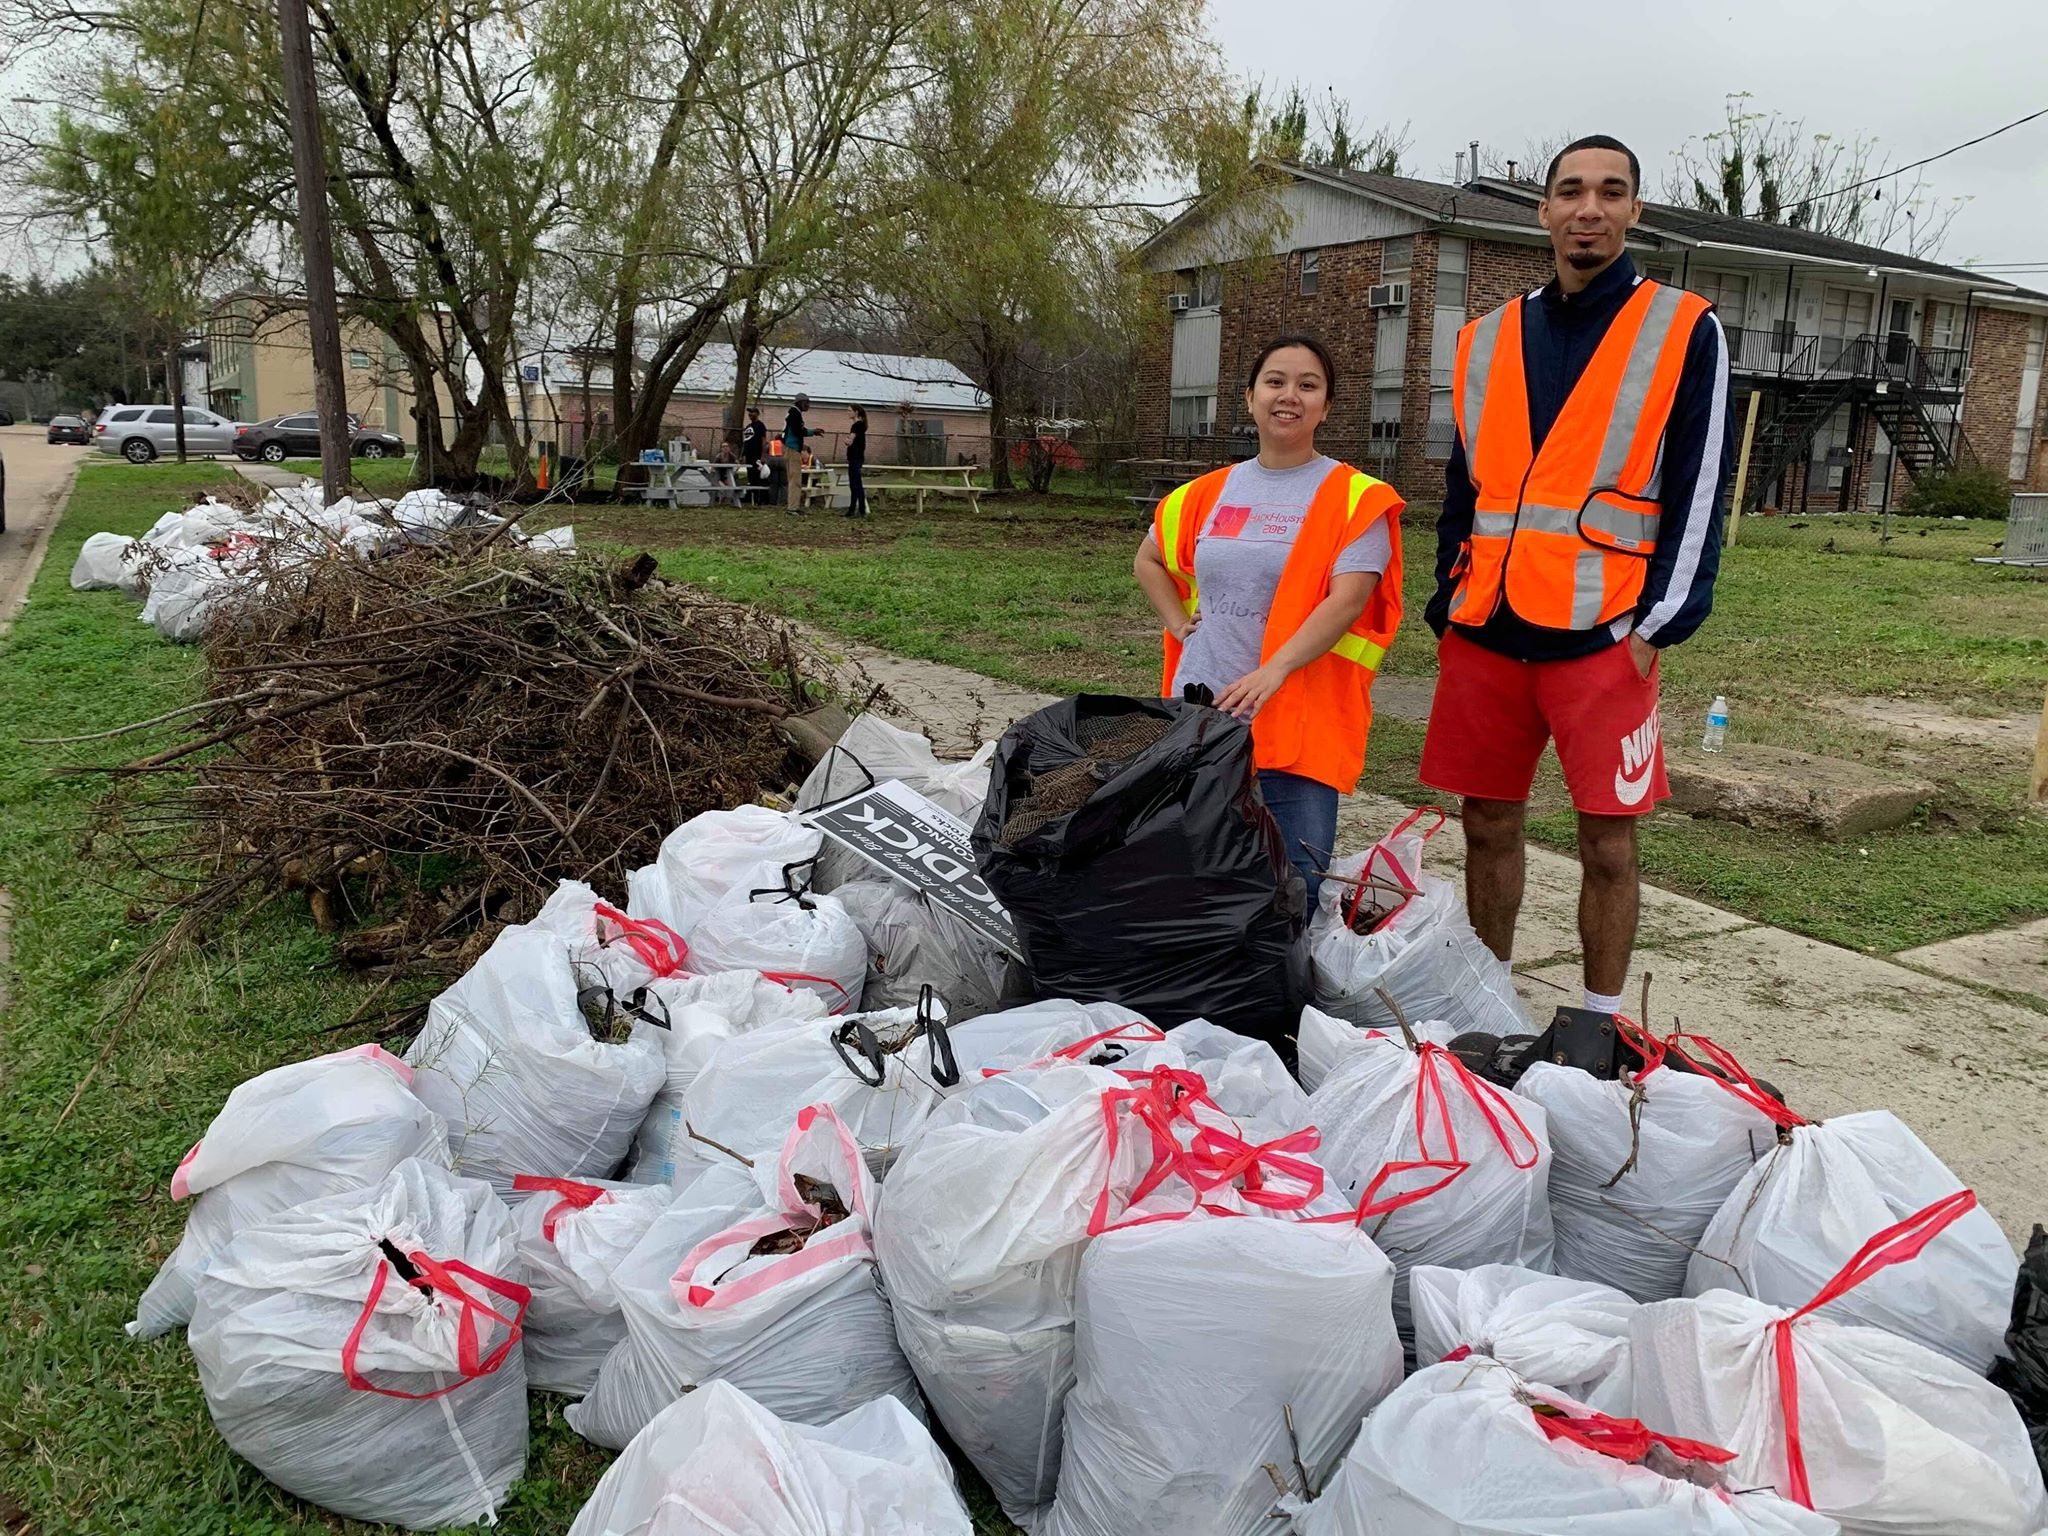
[(923, 845)]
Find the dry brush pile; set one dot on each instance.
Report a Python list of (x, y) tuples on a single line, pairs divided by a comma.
[(447, 733)]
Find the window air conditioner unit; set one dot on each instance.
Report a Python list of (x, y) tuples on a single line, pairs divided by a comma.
[(1386, 296), (1178, 302)]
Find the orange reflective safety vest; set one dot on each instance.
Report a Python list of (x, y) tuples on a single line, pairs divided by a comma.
[(774, 447), (1317, 723), (1564, 535)]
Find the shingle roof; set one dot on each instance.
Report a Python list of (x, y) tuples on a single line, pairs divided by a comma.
[(832, 377), (1435, 198), (1693, 224)]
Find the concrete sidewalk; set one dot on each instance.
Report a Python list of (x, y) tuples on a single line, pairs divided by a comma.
[(271, 477), (1836, 1030)]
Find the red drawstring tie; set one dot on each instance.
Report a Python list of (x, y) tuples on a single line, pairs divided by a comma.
[(659, 947), (575, 1197), (1137, 1032), (1894, 1245), (1725, 1071), (444, 1280), (1378, 854), (1624, 1439), (789, 980)]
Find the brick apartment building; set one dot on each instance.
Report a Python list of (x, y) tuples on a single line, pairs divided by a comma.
[(1867, 367)]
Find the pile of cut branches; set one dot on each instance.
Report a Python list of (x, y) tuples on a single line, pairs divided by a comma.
[(461, 725)]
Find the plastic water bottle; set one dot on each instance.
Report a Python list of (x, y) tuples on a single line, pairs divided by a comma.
[(1717, 725)]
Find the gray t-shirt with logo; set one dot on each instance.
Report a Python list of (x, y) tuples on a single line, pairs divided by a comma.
[(1239, 555)]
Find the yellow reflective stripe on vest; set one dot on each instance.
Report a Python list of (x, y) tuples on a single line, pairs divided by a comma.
[(1357, 648), (1169, 546)]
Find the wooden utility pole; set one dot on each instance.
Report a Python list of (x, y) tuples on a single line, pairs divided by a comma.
[(1742, 467), (316, 239), (2037, 791)]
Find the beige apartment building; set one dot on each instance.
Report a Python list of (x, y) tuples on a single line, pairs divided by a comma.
[(260, 364)]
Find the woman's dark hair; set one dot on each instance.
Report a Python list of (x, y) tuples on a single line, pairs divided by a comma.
[(860, 413), (1279, 343)]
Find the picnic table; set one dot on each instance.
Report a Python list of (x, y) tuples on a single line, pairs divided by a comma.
[(1158, 476), (922, 480), (694, 483)]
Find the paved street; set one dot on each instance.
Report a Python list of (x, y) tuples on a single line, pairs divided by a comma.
[(38, 478)]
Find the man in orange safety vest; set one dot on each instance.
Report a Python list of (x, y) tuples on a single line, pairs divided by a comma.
[(1580, 537)]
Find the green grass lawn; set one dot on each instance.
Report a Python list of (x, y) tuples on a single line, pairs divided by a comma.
[(99, 1434), (1038, 592)]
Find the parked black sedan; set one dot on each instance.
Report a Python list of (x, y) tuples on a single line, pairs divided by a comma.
[(298, 437), (69, 429)]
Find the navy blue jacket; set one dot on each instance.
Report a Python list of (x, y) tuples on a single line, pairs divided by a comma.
[(1560, 333)]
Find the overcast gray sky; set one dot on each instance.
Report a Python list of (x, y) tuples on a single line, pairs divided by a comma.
[(1921, 75)]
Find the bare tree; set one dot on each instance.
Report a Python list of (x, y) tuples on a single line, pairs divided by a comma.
[(1762, 165)]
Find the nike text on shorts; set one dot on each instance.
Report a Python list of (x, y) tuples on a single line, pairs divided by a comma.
[(1492, 715)]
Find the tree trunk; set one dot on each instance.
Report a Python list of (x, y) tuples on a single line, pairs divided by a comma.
[(745, 344), (999, 428), (316, 240)]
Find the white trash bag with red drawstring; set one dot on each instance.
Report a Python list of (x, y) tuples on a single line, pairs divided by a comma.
[(1568, 1334), (810, 943), (881, 1073), (1099, 1034), (1246, 1078), (764, 1278), (362, 1350), (687, 1018), (337, 1122), (1640, 1166), (988, 1212), (1806, 1206), (1444, 1167), (1405, 933), (1880, 1433), (719, 856), (1207, 1351), (572, 1234), (716, 1463), (608, 948), (508, 1060), (1471, 1448)]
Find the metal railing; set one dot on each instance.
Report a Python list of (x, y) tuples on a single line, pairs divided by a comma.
[(1777, 353)]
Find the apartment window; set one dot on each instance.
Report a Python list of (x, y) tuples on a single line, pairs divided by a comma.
[(1728, 292), (359, 359), (1452, 258), (2029, 405), (1397, 257), (1191, 416), (1206, 285), (1311, 272)]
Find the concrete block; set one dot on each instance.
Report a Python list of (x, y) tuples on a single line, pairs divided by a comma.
[(2010, 959), (1775, 789)]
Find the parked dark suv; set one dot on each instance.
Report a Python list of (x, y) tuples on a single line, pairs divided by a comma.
[(69, 429), (298, 437)]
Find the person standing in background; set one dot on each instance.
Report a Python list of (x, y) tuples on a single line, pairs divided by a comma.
[(856, 460), (1579, 539), (753, 447), (794, 435)]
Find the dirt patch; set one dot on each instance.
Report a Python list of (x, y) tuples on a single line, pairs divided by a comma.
[(1919, 721)]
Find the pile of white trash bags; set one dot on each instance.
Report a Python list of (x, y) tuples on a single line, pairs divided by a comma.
[(191, 562), (763, 1221)]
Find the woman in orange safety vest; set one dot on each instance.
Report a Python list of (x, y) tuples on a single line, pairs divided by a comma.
[(1278, 582)]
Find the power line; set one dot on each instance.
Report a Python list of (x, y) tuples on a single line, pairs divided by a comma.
[(1900, 170)]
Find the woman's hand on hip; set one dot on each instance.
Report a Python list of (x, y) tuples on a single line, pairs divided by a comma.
[(1185, 627), (1251, 693)]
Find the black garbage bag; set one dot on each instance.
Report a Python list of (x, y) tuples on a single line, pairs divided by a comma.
[(2023, 1369), (1128, 840)]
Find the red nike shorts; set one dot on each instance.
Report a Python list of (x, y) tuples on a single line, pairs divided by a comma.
[(1492, 715)]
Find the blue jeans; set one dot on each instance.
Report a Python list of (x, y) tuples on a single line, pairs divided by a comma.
[(1307, 813)]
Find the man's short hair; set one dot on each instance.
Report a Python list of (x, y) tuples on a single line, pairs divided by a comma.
[(1597, 141)]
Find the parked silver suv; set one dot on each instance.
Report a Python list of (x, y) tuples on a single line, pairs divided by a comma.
[(139, 433)]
